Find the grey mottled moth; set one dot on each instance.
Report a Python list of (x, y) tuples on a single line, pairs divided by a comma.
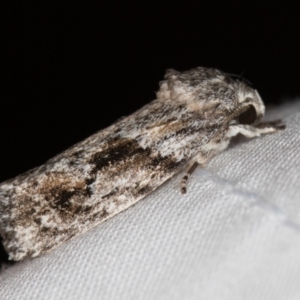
[(193, 118)]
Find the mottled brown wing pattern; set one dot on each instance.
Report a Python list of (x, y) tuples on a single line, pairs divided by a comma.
[(195, 114)]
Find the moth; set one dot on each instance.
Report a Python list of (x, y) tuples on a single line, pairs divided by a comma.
[(195, 114)]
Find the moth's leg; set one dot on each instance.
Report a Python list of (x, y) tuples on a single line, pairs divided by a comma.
[(187, 175), (253, 131), (275, 124)]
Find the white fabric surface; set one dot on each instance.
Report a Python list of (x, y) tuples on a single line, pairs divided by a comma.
[(234, 235)]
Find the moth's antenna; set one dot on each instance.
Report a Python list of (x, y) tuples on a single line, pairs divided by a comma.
[(240, 77)]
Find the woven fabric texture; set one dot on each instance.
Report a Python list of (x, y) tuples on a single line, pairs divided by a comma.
[(234, 235)]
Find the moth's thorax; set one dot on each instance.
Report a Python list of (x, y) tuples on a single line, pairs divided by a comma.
[(199, 86)]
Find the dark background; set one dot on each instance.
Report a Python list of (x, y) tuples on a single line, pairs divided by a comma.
[(70, 69)]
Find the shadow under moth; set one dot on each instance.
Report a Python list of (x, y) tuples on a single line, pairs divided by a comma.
[(195, 114)]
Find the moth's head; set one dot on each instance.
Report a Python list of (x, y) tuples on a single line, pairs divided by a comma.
[(204, 89), (255, 108)]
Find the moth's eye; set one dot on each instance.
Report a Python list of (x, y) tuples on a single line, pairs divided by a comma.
[(249, 116)]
